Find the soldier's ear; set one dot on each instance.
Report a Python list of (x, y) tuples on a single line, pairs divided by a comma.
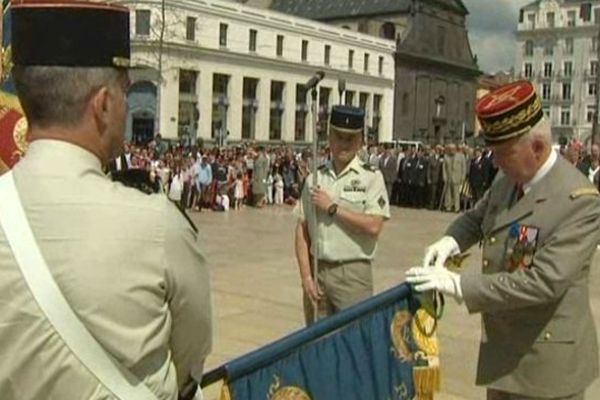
[(100, 107)]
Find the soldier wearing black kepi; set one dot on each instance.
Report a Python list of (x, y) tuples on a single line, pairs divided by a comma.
[(351, 204), (124, 269)]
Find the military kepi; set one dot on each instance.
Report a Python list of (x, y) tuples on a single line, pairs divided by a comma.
[(347, 119), (509, 111), (69, 34)]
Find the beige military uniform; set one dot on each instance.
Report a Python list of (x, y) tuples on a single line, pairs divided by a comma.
[(345, 275), (130, 266), (538, 335)]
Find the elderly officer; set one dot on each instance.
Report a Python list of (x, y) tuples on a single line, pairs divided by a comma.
[(351, 204), (539, 225), (128, 264)]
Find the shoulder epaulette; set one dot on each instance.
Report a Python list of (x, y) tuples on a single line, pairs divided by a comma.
[(369, 167), (138, 179), (589, 191), (322, 167)]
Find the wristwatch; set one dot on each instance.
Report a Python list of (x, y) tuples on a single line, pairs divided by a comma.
[(332, 209)]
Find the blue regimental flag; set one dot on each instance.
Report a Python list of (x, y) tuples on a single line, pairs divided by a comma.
[(13, 126), (380, 349)]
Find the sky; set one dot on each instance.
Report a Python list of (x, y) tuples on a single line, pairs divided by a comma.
[(492, 25)]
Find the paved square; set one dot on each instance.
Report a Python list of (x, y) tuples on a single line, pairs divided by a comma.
[(257, 294)]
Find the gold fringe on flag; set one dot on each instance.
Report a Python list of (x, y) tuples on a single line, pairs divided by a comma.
[(426, 381), (225, 394)]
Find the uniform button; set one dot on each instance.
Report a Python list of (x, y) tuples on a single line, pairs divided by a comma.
[(512, 285), (492, 287), (501, 279), (492, 240), (547, 336), (485, 263)]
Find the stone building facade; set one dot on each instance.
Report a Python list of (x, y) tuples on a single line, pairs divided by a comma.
[(435, 69), (230, 73), (557, 49)]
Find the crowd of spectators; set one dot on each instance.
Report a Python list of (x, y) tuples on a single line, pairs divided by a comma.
[(450, 178)]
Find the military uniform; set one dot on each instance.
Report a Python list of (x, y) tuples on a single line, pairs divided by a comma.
[(129, 264), (344, 267), (538, 335)]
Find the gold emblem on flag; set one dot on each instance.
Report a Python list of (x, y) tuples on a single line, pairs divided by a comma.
[(20, 136), (277, 392), (399, 332)]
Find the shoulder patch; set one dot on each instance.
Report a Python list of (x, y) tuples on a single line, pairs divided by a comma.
[(577, 193)]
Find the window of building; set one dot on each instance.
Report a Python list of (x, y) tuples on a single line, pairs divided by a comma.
[(592, 89), (565, 116), (571, 18), (142, 22), (529, 48), (301, 113), (531, 20), (363, 101), (528, 70), (253, 36), (350, 59), (597, 15), (304, 54), (441, 39), (594, 43), (547, 70), (585, 12), (220, 105), (568, 68), (223, 35), (546, 111), (380, 67), (521, 15), (327, 58), (349, 100), (363, 26), (566, 91), (250, 106), (593, 68), (323, 113), (550, 20), (277, 109), (569, 46), (590, 112), (546, 92), (366, 63), (549, 49), (187, 81), (279, 45), (190, 28)]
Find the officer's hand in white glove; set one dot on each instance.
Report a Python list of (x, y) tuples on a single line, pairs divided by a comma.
[(440, 251), (435, 278)]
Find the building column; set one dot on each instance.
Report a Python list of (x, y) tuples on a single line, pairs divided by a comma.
[(169, 103)]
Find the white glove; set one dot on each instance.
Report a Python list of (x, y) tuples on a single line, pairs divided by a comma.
[(440, 251), (435, 278)]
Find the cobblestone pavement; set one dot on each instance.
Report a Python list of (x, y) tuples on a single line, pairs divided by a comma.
[(257, 295)]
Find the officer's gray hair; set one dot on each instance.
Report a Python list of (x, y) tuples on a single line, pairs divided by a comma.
[(58, 95), (542, 130)]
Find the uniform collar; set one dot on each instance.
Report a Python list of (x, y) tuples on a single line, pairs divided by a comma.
[(55, 156), (354, 165), (542, 172)]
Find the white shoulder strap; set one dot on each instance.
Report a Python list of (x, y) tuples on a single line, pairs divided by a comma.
[(50, 299)]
